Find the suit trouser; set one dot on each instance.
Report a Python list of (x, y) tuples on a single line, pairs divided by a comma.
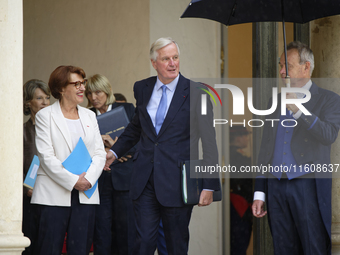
[(102, 241), (295, 220), (240, 232), (115, 229), (77, 221), (148, 212), (30, 225), (124, 226)]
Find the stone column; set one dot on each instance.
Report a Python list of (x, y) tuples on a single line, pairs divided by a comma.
[(301, 33), (265, 35), (12, 240), (325, 43)]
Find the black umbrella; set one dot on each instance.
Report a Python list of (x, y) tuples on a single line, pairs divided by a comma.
[(231, 12)]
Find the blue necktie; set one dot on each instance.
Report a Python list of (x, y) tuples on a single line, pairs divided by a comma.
[(160, 114)]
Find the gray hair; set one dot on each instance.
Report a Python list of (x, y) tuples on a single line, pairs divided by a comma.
[(29, 90), (159, 44), (305, 53)]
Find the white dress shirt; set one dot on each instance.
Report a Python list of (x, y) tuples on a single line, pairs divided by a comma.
[(157, 95), (156, 98)]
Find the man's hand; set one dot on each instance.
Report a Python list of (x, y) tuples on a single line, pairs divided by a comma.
[(108, 141), (110, 157), (82, 184), (292, 107), (124, 159), (257, 209), (206, 198)]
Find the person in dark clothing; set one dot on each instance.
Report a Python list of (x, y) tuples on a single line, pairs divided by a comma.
[(241, 191)]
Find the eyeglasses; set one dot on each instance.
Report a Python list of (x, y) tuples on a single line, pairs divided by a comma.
[(77, 84)]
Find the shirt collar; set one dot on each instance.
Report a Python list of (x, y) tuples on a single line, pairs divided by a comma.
[(171, 86), (307, 86), (108, 109)]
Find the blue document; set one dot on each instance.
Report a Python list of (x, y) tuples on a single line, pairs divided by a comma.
[(32, 173), (78, 162), (113, 122)]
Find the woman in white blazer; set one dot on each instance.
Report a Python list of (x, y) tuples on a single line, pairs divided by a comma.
[(63, 206)]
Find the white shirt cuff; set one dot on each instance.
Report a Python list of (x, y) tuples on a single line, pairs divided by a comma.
[(114, 153), (297, 114), (259, 195)]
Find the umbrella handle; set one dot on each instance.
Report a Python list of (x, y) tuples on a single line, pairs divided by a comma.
[(284, 41), (287, 81)]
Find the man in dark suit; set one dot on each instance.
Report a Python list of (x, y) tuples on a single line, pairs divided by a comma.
[(168, 123), (299, 200)]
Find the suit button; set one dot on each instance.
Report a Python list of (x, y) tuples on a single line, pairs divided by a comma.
[(156, 144), (284, 153), (306, 140), (151, 161), (301, 154), (268, 153)]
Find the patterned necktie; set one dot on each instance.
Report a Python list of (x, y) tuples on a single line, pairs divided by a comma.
[(160, 114)]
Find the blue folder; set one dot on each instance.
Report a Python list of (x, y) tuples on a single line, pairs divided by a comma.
[(79, 162), (113, 122), (31, 175)]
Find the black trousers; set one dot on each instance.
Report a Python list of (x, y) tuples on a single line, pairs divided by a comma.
[(77, 221), (115, 228), (30, 225), (148, 212), (295, 220)]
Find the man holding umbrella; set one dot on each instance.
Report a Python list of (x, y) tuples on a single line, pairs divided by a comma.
[(299, 202)]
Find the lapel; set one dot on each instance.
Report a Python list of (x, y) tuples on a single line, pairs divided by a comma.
[(87, 125), (60, 122), (146, 95), (314, 90), (180, 95)]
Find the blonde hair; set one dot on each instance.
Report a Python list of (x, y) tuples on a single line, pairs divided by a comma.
[(99, 82)]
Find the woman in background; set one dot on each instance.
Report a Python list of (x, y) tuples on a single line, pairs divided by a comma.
[(62, 204), (115, 228), (36, 97)]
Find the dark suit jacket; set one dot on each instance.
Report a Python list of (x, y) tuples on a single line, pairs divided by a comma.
[(309, 146), (29, 148), (121, 172), (164, 153)]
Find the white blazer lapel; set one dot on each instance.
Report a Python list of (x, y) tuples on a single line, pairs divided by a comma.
[(60, 122), (86, 123)]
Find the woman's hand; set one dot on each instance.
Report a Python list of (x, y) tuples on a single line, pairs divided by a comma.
[(82, 184), (29, 193), (108, 141)]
